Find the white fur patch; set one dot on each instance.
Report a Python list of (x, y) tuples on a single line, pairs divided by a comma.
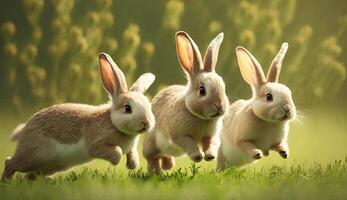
[(130, 145), (70, 154), (166, 146), (270, 135), (234, 157)]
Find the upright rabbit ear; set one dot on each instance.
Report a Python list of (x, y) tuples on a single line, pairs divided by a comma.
[(276, 65), (211, 55), (112, 77), (250, 68), (188, 53), (143, 83)]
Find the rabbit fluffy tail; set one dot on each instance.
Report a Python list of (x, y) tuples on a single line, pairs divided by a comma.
[(16, 132)]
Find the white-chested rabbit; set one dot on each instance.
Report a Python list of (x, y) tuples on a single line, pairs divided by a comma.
[(188, 116), (251, 128), (62, 136)]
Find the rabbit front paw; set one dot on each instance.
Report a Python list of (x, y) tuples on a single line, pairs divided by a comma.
[(257, 154), (132, 163), (284, 154), (210, 155), (196, 156), (132, 160)]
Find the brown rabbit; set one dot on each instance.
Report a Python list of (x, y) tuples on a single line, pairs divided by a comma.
[(62, 136), (188, 116)]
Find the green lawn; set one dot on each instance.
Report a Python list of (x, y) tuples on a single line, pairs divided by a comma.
[(296, 182), (316, 169)]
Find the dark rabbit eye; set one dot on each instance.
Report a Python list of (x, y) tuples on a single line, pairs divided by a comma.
[(269, 97), (202, 91), (127, 109)]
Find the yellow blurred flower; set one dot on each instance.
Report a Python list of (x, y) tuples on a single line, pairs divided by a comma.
[(8, 29), (10, 49)]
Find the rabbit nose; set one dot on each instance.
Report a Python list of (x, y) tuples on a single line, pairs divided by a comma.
[(145, 123), (286, 108), (219, 108)]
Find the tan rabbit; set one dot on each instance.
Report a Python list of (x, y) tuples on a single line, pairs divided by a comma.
[(62, 136), (251, 128), (188, 116)]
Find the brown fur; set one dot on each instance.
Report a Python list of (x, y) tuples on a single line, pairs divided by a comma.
[(186, 117), (72, 123), (169, 106), (61, 136)]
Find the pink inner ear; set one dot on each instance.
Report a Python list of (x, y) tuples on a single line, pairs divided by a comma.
[(247, 67), (185, 53), (107, 75)]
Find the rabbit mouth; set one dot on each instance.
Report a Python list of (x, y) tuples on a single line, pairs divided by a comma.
[(217, 112), (287, 116), (142, 130), (215, 115), (145, 127), (211, 115), (283, 118)]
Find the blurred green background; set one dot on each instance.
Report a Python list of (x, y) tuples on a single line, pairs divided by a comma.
[(49, 55)]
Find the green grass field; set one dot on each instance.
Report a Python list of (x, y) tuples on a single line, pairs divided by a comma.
[(296, 182), (316, 169)]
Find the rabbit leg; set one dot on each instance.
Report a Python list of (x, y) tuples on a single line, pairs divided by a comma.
[(250, 148), (154, 166), (132, 159), (210, 147), (20, 162), (189, 146), (152, 154), (282, 149), (221, 165), (149, 149), (106, 152), (167, 162), (8, 170)]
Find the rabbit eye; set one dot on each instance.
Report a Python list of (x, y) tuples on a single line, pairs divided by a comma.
[(269, 97), (127, 109), (202, 91)]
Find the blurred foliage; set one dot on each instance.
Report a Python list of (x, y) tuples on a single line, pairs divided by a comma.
[(49, 47)]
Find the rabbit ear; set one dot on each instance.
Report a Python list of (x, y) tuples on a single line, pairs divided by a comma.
[(188, 53), (275, 67), (143, 83), (112, 77), (250, 68), (211, 56)]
